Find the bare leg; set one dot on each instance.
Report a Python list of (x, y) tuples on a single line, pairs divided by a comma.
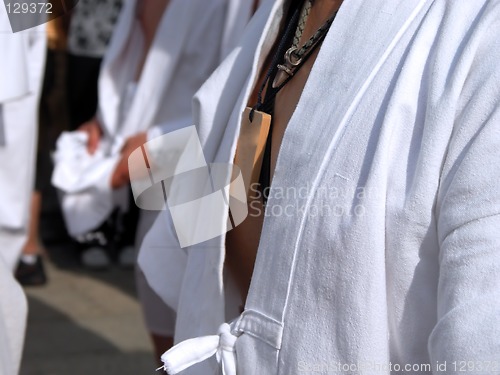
[(30, 270), (33, 246)]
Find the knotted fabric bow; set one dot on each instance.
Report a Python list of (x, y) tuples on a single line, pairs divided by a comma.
[(193, 351)]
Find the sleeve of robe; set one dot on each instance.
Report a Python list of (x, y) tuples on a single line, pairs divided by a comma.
[(468, 214)]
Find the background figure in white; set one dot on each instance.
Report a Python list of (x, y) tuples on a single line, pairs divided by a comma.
[(21, 69), (160, 54), (162, 262)]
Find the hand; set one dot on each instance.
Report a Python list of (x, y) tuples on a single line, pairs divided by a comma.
[(94, 131), (133, 143), (121, 174)]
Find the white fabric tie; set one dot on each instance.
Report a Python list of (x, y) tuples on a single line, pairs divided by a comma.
[(193, 351)]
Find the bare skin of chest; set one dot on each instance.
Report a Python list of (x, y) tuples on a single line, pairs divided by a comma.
[(150, 13), (242, 242)]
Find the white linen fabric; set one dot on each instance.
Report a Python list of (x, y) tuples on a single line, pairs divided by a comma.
[(239, 13), (21, 70), (185, 51), (20, 87), (14, 84), (380, 244), (159, 318)]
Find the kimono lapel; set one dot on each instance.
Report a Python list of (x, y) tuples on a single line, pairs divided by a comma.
[(159, 67), (218, 107), (114, 73), (237, 12)]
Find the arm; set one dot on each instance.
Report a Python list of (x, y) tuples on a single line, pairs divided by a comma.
[(468, 221)]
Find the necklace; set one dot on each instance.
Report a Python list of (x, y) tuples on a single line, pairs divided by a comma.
[(294, 56), (254, 144)]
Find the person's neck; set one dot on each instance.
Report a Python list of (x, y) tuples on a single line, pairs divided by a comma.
[(326, 7), (150, 14), (321, 11)]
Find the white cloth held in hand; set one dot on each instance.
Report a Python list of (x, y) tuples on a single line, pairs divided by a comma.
[(84, 178)]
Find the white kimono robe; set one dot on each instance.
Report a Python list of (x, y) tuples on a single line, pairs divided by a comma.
[(385, 249), (21, 69), (21, 74), (184, 52)]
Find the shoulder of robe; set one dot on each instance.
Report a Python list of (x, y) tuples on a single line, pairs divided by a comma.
[(477, 23)]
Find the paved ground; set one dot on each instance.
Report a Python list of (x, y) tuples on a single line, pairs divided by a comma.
[(85, 323)]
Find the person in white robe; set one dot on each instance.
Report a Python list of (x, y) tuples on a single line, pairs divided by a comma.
[(379, 251), (136, 106), (21, 70), (164, 269)]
